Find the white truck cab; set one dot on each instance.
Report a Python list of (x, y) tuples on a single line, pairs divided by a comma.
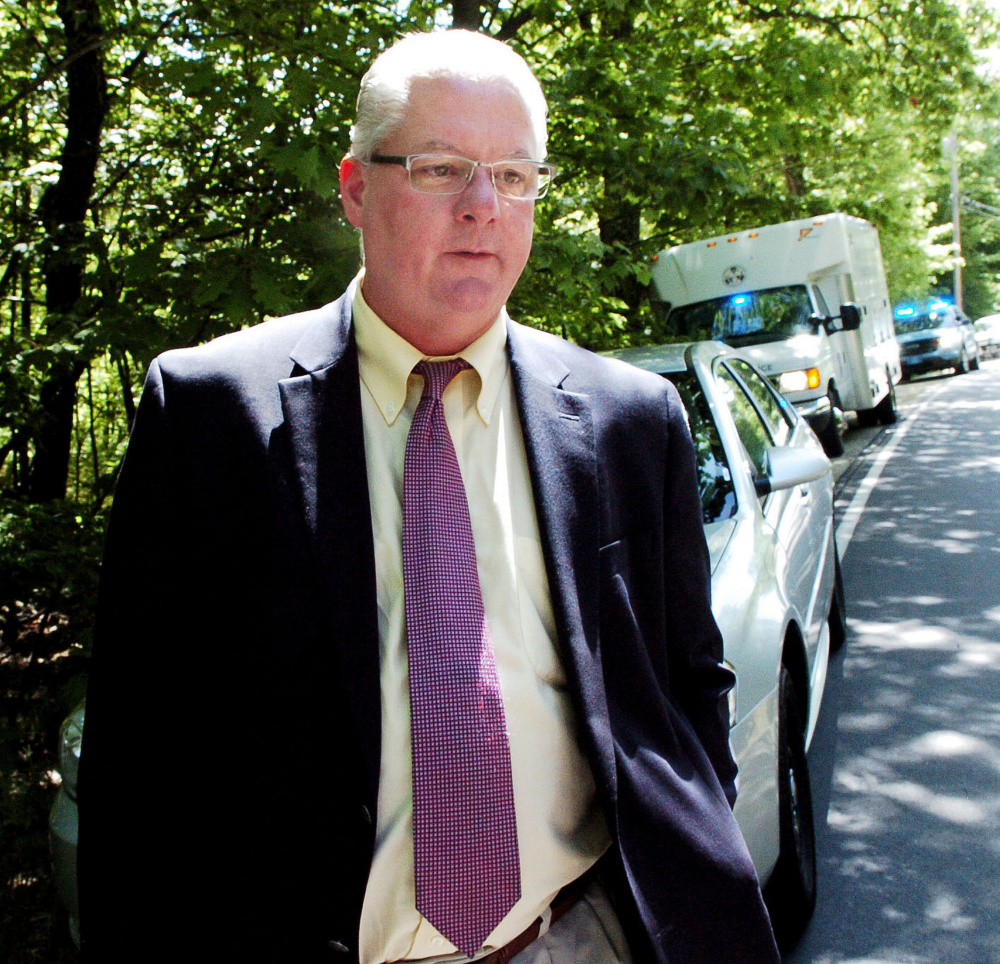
[(807, 300)]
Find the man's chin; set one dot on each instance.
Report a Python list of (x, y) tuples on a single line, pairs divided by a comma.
[(472, 297)]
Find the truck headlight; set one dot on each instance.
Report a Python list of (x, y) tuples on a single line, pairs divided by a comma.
[(798, 381), (949, 338)]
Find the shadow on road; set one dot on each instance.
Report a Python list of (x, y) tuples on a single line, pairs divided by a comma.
[(906, 761)]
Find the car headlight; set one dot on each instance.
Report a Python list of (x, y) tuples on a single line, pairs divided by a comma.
[(70, 741), (949, 338), (798, 381)]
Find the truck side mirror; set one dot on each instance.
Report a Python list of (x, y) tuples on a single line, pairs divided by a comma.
[(850, 317)]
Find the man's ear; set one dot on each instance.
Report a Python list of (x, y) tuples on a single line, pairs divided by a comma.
[(352, 188)]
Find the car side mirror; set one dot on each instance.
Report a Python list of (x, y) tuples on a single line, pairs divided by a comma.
[(789, 467), (850, 317), (829, 324)]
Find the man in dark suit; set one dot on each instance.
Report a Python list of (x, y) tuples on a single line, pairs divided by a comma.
[(257, 781)]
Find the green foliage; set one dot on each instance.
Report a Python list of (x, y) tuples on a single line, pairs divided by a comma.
[(683, 122), (49, 554), (215, 201)]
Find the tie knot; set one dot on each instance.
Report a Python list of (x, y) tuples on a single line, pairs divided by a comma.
[(437, 375)]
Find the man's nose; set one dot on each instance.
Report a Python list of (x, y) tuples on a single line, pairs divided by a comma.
[(479, 199)]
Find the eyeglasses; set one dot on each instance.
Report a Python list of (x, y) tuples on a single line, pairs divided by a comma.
[(448, 174)]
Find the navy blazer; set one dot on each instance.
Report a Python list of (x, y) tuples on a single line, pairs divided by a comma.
[(230, 766)]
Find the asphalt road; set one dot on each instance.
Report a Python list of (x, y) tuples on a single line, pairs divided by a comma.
[(906, 761)]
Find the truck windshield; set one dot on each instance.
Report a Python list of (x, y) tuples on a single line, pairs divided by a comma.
[(748, 318)]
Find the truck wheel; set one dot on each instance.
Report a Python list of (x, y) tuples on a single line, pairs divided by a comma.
[(790, 894), (867, 417), (829, 435), (886, 409), (830, 439)]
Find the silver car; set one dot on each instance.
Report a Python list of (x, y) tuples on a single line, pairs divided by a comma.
[(63, 817), (988, 336), (767, 500), (935, 337)]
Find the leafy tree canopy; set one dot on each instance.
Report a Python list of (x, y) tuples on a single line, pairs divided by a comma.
[(170, 169)]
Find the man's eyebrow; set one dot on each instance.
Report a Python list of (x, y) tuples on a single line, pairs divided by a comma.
[(443, 147)]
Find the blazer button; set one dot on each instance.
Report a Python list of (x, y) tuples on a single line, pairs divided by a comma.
[(338, 947)]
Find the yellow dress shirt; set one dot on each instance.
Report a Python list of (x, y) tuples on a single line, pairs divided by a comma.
[(561, 832)]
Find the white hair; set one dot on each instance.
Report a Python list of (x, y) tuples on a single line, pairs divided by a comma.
[(385, 88)]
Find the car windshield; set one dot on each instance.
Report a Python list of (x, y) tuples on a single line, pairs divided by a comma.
[(718, 498), (748, 318), (922, 321)]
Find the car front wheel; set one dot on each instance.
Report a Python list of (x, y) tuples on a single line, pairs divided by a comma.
[(791, 891)]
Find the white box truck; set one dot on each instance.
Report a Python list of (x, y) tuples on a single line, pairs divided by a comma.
[(806, 300)]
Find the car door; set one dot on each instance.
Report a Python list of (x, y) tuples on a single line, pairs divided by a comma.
[(802, 516)]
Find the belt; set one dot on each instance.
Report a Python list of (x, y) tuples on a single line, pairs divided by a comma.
[(563, 901)]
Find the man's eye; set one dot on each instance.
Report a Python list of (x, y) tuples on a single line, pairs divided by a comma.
[(512, 175), (440, 169)]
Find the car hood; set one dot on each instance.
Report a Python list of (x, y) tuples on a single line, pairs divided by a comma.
[(921, 335)]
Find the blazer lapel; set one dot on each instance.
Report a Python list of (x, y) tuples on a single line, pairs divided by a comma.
[(562, 462), (322, 409)]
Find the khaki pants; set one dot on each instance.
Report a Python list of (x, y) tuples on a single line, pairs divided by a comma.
[(588, 933)]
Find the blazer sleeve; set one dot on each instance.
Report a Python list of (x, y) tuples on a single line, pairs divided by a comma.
[(699, 680), (128, 712)]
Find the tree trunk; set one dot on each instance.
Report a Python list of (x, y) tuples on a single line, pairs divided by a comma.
[(795, 175), (63, 209)]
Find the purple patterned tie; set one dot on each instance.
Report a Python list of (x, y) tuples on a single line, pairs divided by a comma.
[(466, 862)]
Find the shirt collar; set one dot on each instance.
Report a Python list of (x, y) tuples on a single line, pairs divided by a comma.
[(386, 360)]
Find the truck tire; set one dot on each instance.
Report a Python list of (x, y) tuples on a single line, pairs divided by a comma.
[(885, 411), (829, 435), (830, 439)]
